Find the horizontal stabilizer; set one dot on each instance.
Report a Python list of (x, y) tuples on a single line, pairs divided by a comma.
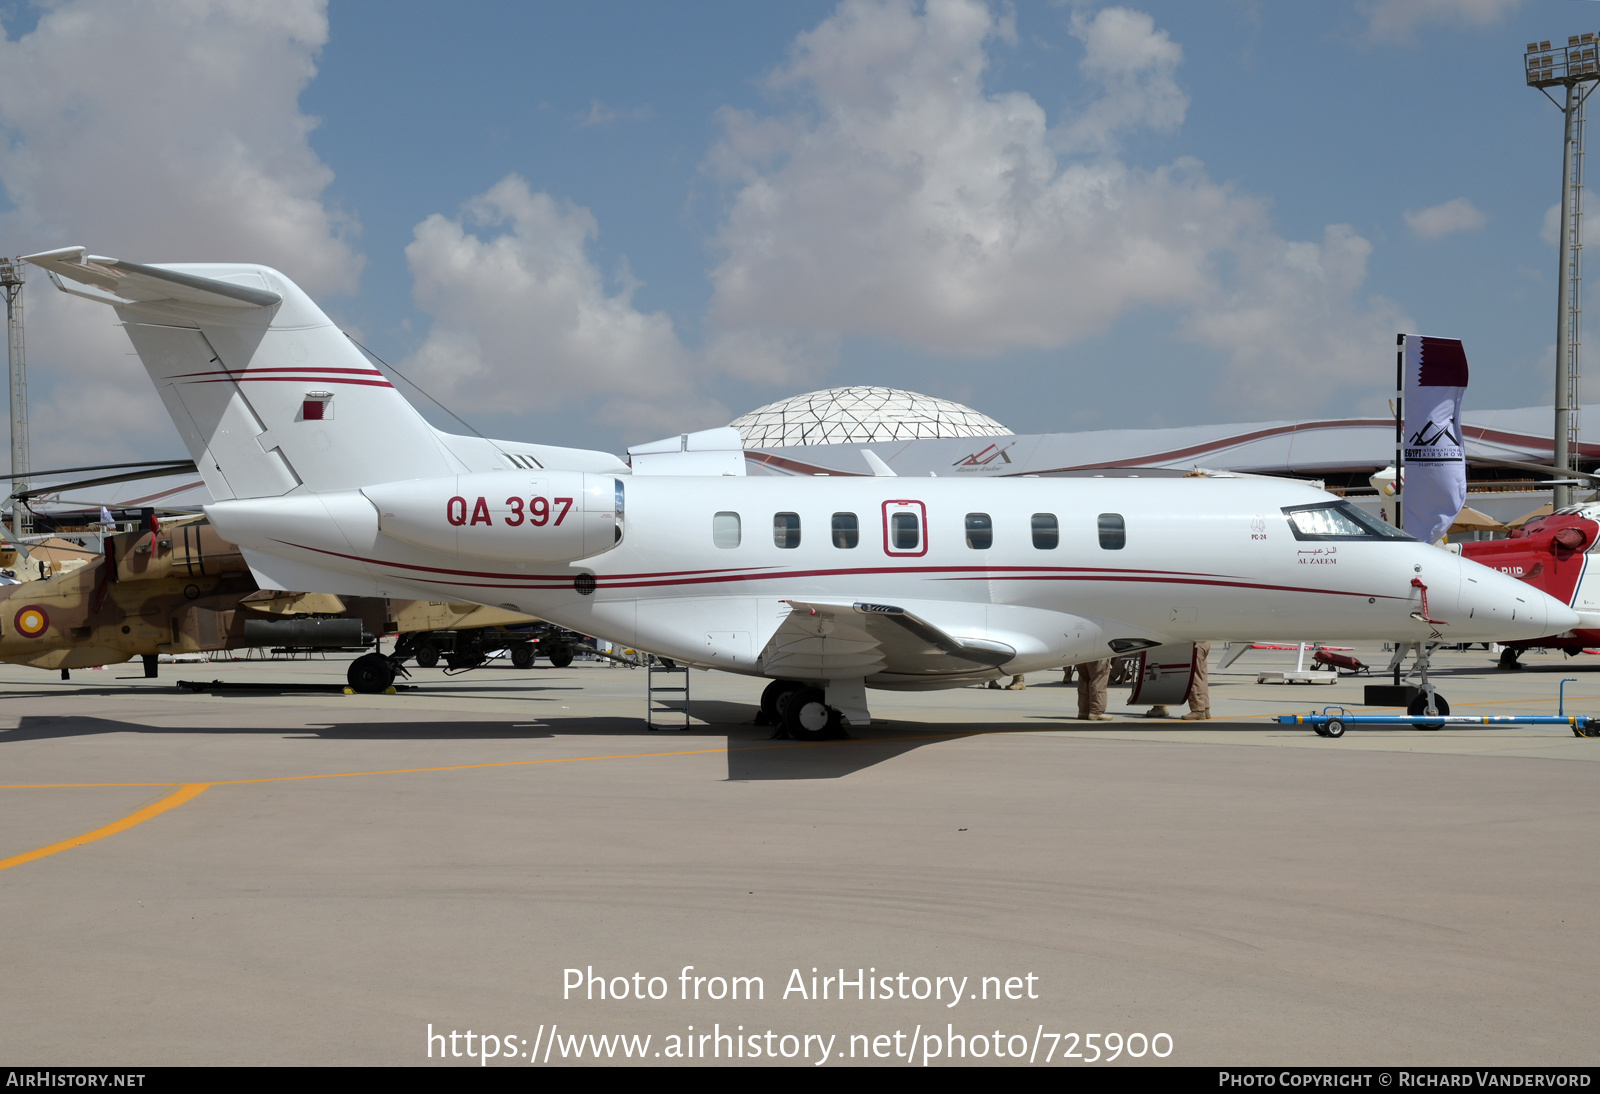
[(113, 281)]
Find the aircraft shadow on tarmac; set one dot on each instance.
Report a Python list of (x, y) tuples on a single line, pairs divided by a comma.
[(67, 690), (761, 760), (1533, 666), (752, 754), (46, 727)]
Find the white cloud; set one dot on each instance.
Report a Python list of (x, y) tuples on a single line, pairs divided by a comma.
[(170, 130), (523, 321), (902, 198), (1135, 66), (1550, 231), (913, 203), (1455, 215), (1397, 20), (163, 130), (89, 399), (601, 114), (1294, 330)]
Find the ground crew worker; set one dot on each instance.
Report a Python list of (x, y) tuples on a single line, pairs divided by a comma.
[(1199, 687), (1093, 678)]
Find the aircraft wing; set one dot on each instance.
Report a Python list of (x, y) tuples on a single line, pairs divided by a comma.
[(837, 639), (113, 281)]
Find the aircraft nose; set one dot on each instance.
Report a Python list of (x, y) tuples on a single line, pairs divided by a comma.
[(1511, 609)]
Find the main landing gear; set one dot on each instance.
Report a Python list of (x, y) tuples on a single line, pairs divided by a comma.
[(801, 711), (373, 674)]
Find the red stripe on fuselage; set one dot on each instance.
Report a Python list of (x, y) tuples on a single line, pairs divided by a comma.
[(981, 573), (701, 577), (1149, 580)]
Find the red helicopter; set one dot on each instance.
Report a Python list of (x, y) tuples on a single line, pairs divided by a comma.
[(1552, 554)]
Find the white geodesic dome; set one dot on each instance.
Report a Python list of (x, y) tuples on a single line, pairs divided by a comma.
[(850, 415)]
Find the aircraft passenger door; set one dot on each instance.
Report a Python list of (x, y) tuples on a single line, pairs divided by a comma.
[(905, 529)]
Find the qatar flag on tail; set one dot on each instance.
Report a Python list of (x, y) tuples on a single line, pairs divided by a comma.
[(1434, 372)]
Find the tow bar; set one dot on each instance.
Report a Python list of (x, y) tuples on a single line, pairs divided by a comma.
[(1334, 720)]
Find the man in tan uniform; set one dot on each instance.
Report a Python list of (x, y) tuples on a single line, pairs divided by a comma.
[(1093, 679), (1199, 687)]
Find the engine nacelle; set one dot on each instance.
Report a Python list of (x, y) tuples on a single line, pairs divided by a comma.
[(515, 516)]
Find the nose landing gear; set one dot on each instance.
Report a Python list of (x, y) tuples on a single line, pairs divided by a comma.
[(1429, 702)]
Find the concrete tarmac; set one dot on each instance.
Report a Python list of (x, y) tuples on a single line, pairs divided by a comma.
[(283, 878)]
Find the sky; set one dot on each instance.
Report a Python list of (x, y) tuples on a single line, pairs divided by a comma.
[(600, 224)]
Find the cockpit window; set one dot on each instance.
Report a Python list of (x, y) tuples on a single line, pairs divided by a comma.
[(1338, 520)]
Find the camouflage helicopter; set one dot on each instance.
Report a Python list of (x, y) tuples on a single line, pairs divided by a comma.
[(182, 588)]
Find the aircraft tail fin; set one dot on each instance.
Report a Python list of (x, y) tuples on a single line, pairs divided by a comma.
[(269, 395)]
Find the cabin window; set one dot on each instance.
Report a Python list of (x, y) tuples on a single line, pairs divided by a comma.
[(980, 531), (1046, 531), (846, 530), (905, 531), (1113, 533), (786, 529), (725, 530)]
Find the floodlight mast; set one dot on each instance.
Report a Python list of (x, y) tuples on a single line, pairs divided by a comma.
[(11, 282), (1575, 67)]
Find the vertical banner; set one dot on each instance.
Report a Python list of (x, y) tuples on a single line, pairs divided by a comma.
[(1435, 372)]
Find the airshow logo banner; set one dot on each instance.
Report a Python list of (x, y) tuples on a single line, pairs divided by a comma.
[(1435, 372)]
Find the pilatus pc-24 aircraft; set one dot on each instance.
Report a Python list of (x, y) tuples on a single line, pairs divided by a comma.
[(331, 482)]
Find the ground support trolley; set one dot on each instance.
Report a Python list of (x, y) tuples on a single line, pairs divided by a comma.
[(1333, 721)]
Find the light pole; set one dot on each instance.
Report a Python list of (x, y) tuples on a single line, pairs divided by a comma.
[(11, 282), (1575, 67)]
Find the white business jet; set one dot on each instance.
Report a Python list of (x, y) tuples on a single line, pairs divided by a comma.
[(331, 482)]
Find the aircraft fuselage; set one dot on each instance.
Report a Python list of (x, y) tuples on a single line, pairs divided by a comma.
[(1057, 569)]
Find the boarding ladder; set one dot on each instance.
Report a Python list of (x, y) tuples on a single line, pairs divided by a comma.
[(666, 696)]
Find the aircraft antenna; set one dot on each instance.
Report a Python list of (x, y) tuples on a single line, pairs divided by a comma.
[(414, 384), (11, 282), (1575, 67)]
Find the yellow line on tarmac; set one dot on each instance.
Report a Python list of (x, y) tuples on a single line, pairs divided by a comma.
[(526, 763), (187, 791), (387, 771), (182, 794)]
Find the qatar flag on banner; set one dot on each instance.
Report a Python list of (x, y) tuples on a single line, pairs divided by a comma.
[(1435, 371)]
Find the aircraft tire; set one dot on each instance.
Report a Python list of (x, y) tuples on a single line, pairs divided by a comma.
[(522, 657), (772, 700), (1508, 659), (370, 673), (808, 717), (1334, 729), (560, 656), (427, 655), (1419, 705)]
